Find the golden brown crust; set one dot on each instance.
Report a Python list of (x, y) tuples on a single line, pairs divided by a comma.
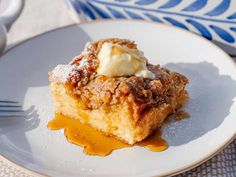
[(101, 91)]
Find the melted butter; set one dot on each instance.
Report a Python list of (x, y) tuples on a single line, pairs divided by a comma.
[(118, 60), (95, 142), (136, 55)]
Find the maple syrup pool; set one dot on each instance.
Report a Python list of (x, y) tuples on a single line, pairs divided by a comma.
[(95, 142)]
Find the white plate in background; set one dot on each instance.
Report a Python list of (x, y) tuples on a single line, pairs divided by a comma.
[(212, 104)]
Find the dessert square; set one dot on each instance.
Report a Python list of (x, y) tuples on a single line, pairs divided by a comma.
[(112, 87)]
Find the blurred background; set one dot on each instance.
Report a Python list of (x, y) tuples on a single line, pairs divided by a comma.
[(214, 20), (37, 17)]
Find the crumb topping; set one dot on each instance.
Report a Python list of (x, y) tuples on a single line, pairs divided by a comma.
[(61, 73), (179, 115), (85, 64), (96, 91)]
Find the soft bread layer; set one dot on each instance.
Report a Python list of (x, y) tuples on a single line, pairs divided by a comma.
[(116, 120)]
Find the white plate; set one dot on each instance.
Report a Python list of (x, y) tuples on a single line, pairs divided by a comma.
[(212, 105)]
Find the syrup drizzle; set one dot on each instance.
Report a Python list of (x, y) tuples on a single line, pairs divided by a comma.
[(95, 142)]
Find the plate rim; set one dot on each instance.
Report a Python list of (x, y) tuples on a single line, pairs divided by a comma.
[(171, 172)]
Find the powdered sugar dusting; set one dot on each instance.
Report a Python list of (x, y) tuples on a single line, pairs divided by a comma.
[(83, 57), (87, 49), (61, 73), (82, 63)]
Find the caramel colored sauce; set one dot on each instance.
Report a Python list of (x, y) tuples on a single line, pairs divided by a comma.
[(95, 142), (154, 142)]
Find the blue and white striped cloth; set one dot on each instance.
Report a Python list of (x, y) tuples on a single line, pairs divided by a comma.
[(214, 20)]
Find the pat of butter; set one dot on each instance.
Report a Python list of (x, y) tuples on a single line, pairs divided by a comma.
[(117, 60)]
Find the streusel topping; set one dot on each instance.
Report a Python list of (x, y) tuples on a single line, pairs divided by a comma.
[(96, 90)]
